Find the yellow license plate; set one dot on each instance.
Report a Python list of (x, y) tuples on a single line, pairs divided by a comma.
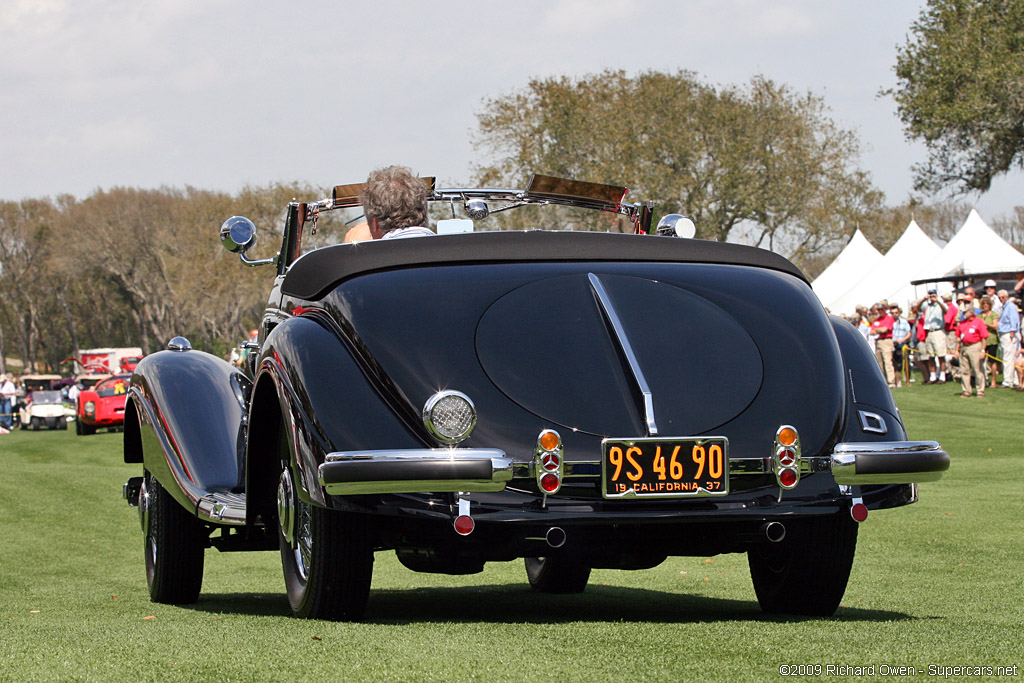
[(665, 468)]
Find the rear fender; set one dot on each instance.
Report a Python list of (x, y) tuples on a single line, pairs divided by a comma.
[(310, 384), (184, 419), (871, 413)]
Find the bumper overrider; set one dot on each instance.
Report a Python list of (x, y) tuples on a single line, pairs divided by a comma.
[(490, 469)]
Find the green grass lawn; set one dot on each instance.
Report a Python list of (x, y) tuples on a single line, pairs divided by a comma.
[(938, 583)]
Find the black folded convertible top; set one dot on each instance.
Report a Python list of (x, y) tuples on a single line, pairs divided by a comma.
[(316, 272)]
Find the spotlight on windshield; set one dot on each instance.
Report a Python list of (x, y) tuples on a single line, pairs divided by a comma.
[(477, 209)]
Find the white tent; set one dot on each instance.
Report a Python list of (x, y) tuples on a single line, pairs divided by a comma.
[(856, 258), (975, 248), (890, 278)]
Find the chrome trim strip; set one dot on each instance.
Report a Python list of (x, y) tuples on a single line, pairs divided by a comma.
[(737, 466), (856, 447), (627, 350), (497, 462), (406, 454)]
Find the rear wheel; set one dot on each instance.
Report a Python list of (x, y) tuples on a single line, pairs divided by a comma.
[(806, 574), (175, 545), (561, 574), (326, 555)]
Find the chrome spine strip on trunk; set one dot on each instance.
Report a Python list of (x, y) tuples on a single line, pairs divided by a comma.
[(888, 462), (415, 470), (627, 350)]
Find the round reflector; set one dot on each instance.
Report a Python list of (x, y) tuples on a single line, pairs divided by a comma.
[(787, 436), (859, 512), (464, 525), (549, 483), (787, 478), (786, 457)]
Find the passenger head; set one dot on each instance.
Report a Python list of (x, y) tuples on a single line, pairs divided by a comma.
[(394, 198)]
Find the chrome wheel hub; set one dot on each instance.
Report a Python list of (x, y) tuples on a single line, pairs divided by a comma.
[(286, 506), (294, 521)]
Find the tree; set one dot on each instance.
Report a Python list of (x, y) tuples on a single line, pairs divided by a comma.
[(961, 91), (724, 157)]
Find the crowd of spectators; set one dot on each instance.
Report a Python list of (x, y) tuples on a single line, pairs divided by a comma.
[(964, 336)]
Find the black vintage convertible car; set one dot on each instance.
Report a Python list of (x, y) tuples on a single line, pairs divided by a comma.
[(578, 399)]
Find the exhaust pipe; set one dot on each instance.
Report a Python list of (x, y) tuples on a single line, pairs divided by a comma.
[(555, 537), (774, 531)]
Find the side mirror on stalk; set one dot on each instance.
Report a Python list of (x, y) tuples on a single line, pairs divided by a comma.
[(238, 235)]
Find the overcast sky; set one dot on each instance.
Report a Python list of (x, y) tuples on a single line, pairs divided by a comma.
[(218, 94)]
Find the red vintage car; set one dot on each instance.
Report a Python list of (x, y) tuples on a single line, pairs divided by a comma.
[(102, 405)]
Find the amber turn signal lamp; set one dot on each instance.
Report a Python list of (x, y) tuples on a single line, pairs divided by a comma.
[(549, 440), (787, 436)]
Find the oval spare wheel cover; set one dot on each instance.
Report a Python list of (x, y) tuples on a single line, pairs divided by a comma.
[(549, 347)]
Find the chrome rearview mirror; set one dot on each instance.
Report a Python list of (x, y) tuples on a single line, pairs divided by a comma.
[(238, 235), (676, 225)]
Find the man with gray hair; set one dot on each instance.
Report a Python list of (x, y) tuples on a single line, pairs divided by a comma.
[(1009, 338), (395, 202)]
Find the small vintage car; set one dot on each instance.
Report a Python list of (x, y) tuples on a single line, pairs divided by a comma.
[(102, 405), (578, 399)]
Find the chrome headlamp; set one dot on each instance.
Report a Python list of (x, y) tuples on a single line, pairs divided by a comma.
[(449, 416)]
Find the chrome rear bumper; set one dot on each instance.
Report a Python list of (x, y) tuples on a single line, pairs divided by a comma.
[(888, 462), (489, 469)]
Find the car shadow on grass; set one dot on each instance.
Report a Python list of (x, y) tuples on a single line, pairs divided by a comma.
[(507, 603)]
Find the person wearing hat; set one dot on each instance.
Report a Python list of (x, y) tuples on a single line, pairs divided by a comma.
[(933, 310), (991, 295), (881, 330), (972, 334)]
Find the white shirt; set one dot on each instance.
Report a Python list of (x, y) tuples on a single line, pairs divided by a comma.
[(7, 389), (412, 231)]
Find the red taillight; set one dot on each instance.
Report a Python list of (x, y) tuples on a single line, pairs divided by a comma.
[(787, 456), (549, 483), (464, 525), (788, 478)]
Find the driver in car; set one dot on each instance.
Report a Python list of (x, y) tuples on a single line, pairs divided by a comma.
[(395, 202)]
